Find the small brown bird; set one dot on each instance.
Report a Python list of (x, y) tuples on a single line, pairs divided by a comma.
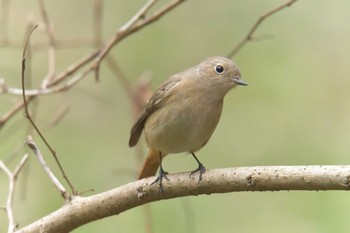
[(183, 113)]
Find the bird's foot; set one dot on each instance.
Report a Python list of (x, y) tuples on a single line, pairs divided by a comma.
[(159, 180), (200, 169)]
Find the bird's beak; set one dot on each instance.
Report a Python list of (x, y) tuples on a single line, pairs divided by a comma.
[(239, 81)]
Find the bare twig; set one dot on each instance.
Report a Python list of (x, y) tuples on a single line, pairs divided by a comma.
[(82, 210), (31, 120), (97, 20), (5, 89), (31, 94), (73, 68), (12, 225), (249, 36), (15, 109), (118, 72), (97, 55), (61, 113), (52, 45), (139, 21), (138, 16), (29, 141)]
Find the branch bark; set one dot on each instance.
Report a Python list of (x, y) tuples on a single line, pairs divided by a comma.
[(82, 210)]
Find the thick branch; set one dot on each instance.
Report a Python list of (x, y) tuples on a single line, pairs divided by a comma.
[(82, 210)]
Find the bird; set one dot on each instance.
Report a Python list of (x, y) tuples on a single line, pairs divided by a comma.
[(182, 114)]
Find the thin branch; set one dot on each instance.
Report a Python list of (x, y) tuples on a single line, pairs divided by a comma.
[(157, 15), (4, 89), (118, 72), (97, 23), (133, 26), (24, 91), (29, 141), (82, 210), (54, 89), (31, 120), (8, 208), (15, 109), (52, 44), (33, 93), (19, 167), (98, 56), (249, 36), (12, 225), (97, 30), (138, 16), (61, 113), (73, 68)]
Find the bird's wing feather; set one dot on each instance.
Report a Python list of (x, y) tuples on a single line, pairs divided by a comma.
[(154, 103)]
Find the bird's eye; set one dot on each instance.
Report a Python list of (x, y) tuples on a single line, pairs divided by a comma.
[(219, 69)]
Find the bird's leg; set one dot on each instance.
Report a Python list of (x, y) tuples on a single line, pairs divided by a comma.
[(162, 174), (200, 169)]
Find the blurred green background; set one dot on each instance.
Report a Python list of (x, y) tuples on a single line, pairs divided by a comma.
[(295, 111)]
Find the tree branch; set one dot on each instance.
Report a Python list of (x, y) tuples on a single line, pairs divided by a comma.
[(27, 115), (92, 61), (249, 36), (29, 141), (82, 210)]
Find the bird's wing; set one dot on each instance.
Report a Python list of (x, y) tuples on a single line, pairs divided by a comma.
[(154, 103)]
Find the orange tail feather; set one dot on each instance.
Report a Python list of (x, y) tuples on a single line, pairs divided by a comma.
[(151, 164)]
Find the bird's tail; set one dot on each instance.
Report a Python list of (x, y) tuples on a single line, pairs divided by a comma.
[(151, 164)]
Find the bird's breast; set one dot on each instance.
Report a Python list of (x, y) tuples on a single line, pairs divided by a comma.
[(183, 123)]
